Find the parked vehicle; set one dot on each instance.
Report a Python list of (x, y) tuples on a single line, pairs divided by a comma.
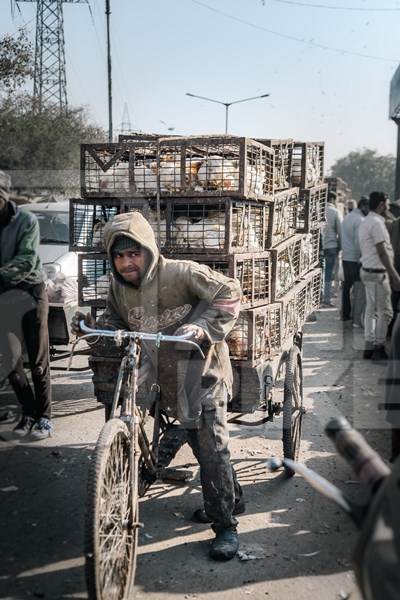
[(60, 266)]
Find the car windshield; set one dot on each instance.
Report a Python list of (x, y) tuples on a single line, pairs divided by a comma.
[(54, 227)]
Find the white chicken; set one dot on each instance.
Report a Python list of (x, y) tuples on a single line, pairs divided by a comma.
[(244, 231), (238, 339), (219, 173), (115, 179), (205, 233), (255, 179), (145, 178)]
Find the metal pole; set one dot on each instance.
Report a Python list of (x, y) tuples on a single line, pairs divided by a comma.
[(397, 182), (226, 117), (110, 122)]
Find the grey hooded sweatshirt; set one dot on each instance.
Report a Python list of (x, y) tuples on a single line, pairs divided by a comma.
[(172, 293)]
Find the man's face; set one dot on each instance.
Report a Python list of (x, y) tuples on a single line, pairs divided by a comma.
[(383, 207), (364, 209), (131, 264)]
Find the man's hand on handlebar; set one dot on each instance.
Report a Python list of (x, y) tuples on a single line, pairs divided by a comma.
[(90, 321), (193, 333)]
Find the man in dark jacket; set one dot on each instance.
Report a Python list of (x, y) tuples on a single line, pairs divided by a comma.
[(151, 293), (23, 316)]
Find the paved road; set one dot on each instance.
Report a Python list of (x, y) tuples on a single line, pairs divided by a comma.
[(304, 544)]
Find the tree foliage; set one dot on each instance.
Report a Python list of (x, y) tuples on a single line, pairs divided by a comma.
[(45, 143), (16, 61), (41, 147), (366, 171)]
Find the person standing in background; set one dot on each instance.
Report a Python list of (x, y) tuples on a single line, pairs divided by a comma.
[(331, 242), (351, 253), (376, 269), (23, 316)]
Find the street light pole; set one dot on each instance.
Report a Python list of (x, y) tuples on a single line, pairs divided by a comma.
[(227, 104), (110, 119)]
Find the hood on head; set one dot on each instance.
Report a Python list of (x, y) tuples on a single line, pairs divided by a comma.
[(132, 225)]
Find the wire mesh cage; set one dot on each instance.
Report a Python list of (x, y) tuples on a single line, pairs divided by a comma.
[(307, 164), (257, 334), (87, 221), (283, 152), (105, 170), (212, 226), (286, 266), (251, 270), (283, 216), (93, 279), (312, 208), (216, 166)]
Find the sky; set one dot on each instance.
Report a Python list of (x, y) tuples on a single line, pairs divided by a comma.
[(234, 49)]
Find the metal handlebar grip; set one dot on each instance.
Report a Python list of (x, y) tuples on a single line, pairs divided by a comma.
[(350, 444)]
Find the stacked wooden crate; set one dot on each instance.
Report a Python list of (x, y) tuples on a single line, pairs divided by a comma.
[(251, 209)]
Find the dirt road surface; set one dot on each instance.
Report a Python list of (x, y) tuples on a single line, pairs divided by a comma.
[(301, 544)]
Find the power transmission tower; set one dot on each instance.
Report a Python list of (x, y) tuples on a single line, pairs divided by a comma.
[(50, 83), (126, 125)]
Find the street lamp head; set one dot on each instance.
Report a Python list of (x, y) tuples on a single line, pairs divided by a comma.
[(189, 94)]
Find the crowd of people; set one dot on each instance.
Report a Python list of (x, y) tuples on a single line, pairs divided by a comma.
[(363, 247)]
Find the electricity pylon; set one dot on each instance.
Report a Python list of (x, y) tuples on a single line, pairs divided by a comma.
[(50, 82)]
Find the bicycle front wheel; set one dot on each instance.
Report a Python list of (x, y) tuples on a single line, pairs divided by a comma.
[(111, 528)]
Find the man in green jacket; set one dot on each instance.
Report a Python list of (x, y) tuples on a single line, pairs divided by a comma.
[(149, 292), (23, 316)]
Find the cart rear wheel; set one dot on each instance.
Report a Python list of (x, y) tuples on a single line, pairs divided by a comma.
[(292, 406)]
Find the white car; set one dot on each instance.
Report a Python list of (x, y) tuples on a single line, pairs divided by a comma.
[(59, 264)]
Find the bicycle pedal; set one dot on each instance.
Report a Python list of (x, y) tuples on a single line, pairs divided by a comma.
[(175, 476)]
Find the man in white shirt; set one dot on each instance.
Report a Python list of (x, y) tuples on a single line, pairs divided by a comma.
[(351, 253), (377, 267), (331, 243)]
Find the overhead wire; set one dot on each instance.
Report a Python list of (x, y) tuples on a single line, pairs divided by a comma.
[(292, 37), (335, 7)]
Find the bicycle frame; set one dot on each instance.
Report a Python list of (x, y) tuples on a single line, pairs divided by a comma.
[(130, 377)]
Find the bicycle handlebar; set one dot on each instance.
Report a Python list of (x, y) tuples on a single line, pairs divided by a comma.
[(350, 444), (122, 334)]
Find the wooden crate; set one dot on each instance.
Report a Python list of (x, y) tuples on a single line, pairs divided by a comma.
[(257, 335), (283, 216), (312, 208), (127, 169), (283, 153), (253, 271), (219, 226), (310, 251), (216, 166), (307, 164), (286, 266), (93, 279)]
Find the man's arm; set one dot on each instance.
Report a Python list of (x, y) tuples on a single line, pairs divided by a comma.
[(21, 266), (222, 296), (388, 264), (110, 319)]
